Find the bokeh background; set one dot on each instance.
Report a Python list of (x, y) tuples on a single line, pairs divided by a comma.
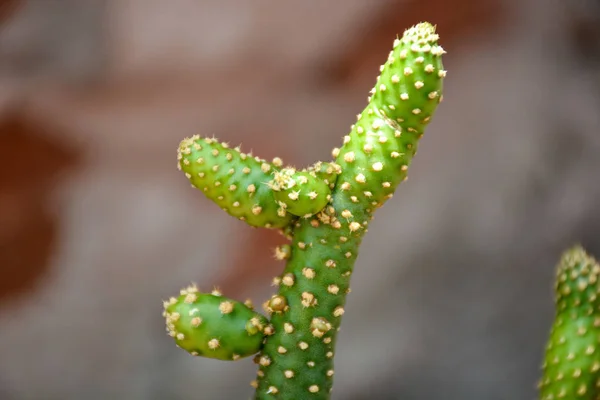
[(452, 291)]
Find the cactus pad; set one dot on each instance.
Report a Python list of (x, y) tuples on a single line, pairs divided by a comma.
[(214, 326)]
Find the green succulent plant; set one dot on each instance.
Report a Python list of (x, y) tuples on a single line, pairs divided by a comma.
[(324, 210)]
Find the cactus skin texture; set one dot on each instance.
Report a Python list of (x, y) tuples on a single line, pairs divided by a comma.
[(326, 230), (213, 326), (571, 368)]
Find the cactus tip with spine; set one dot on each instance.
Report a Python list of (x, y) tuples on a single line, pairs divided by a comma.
[(324, 210), (571, 369)]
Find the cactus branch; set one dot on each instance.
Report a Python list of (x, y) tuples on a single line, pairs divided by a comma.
[(237, 182)]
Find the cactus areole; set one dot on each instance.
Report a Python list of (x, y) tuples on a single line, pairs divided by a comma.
[(324, 210)]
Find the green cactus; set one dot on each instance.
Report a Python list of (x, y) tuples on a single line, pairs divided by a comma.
[(571, 368), (210, 325), (325, 210)]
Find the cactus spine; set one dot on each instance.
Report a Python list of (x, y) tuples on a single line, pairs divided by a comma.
[(571, 368), (325, 211)]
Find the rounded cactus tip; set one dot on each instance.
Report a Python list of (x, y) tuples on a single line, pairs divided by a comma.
[(577, 278), (300, 193), (213, 326)]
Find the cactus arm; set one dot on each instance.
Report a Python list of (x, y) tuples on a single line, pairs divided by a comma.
[(571, 368), (235, 181), (213, 326), (297, 360), (376, 155)]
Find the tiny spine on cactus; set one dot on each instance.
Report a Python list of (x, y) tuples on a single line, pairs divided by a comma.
[(571, 368), (324, 210)]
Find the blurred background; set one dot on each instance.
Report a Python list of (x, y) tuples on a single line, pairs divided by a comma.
[(452, 294)]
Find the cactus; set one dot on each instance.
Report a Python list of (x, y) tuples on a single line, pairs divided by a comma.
[(325, 211), (571, 369)]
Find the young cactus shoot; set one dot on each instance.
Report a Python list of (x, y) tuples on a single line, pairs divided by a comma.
[(324, 210)]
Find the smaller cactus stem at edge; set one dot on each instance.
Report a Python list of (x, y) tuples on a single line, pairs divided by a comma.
[(571, 368)]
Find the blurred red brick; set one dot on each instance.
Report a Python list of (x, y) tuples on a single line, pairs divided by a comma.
[(7, 7), (29, 166)]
